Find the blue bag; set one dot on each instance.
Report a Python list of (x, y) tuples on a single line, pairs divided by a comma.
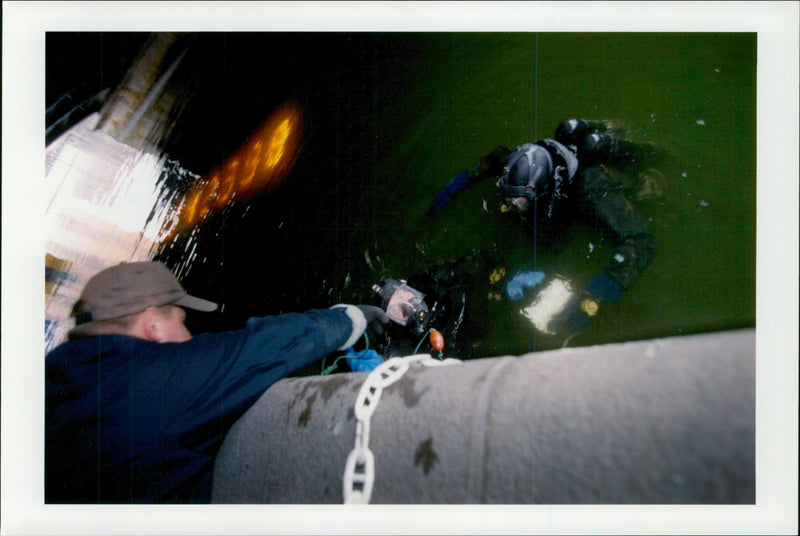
[(523, 280), (363, 361)]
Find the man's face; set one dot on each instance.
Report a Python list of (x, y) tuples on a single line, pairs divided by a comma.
[(174, 329)]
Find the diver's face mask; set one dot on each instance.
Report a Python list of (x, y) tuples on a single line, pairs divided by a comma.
[(403, 304)]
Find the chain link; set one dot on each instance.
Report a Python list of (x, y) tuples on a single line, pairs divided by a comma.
[(359, 470)]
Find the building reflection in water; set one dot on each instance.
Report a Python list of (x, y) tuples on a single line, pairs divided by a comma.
[(108, 200), (259, 164)]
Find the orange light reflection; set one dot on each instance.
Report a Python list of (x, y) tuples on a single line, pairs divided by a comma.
[(260, 163)]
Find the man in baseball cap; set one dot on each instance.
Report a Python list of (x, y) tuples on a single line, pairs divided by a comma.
[(137, 408), (112, 297)]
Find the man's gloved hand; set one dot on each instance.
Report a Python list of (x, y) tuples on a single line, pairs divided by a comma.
[(361, 316), (456, 184), (377, 319), (373, 313)]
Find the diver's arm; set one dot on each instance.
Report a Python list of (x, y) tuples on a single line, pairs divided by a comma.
[(634, 252), (636, 246), (489, 166)]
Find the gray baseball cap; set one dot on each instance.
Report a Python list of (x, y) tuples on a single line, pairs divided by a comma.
[(130, 288)]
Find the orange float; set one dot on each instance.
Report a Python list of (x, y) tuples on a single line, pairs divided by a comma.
[(437, 340)]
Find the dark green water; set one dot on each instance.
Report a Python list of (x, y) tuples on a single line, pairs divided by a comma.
[(406, 112), (694, 95)]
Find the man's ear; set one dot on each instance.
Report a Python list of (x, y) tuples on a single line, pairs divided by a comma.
[(152, 325)]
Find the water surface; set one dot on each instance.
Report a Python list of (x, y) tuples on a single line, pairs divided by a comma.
[(388, 119)]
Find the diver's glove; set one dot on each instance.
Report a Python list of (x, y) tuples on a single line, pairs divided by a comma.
[(361, 316), (604, 288), (456, 184), (576, 315), (580, 310)]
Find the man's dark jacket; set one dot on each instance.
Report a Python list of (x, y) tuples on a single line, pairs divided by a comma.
[(133, 421)]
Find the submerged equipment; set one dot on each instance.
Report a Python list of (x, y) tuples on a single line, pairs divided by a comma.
[(573, 131), (403, 304), (550, 302)]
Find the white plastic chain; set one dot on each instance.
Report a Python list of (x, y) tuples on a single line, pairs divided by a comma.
[(359, 471)]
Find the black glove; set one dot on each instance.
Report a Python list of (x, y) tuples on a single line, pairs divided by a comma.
[(371, 315)]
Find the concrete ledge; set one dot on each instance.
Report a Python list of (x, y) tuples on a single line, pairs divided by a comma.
[(651, 422)]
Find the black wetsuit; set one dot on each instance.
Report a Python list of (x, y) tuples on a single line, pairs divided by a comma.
[(595, 188)]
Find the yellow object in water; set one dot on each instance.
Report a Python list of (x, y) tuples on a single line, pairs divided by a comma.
[(590, 306), (496, 275)]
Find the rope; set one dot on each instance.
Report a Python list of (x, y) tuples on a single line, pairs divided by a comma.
[(355, 355), (568, 339), (330, 369), (366, 351)]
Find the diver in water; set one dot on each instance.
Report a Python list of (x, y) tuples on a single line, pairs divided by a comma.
[(450, 298), (580, 171)]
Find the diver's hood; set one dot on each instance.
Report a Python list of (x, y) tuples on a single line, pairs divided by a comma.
[(531, 166)]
